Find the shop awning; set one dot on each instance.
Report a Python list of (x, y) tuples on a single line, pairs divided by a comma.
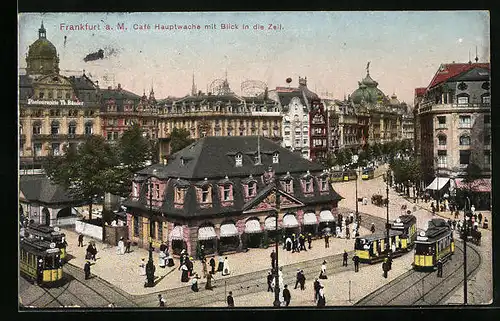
[(177, 233), (289, 220), (438, 183), (228, 230), (206, 233), (478, 185), (252, 226), (270, 223), (326, 216), (310, 219)]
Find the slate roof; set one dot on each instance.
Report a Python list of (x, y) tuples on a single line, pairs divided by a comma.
[(211, 160), (447, 71), (119, 96), (39, 188), (82, 83)]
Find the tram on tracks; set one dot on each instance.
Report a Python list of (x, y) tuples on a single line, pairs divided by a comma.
[(350, 175), (336, 176), (48, 233), (408, 225), (434, 244), (40, 261), (368, 173)]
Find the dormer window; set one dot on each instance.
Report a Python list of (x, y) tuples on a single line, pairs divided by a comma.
[(239, 160), (134, 190), (308, 186), (289, 186), (324, 183), (227, 193), (276, 158), (252, 189), (256, 159), (205, 193)]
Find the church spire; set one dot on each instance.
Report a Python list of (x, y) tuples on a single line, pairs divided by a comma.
[(193, 88), (41, 32)]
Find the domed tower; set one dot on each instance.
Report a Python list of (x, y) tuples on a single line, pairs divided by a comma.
[(368, 90), (42, 58)]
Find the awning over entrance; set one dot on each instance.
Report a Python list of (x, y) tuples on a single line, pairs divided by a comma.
[(206, 233), (326, 216), (177, 233), (270, 223), (310, 219), (228, 230), (438, 183), (478, 185), (289, 220), (252, 226)]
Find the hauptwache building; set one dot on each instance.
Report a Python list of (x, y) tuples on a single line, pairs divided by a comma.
[(221, 192), (54, 110)]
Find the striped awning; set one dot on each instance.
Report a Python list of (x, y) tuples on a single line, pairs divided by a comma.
[(228, 230), (289, 220), (478, 185), (252, 226), (270, 223), (326, 216), (206, 233), (176, 233), (438, 183), (310, 219)]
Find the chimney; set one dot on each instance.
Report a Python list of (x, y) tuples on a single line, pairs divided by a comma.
[(119, 87)]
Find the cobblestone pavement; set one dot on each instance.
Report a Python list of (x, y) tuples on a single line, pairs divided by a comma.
[(120, 273)]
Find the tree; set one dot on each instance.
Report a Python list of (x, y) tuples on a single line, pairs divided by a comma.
[(179, 139), (135, 149), (85, 171)]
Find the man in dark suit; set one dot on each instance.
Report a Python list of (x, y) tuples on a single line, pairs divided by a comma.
[(286, 295), (230, 300)]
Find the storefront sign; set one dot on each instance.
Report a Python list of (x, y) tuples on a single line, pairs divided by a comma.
[(65, 102)]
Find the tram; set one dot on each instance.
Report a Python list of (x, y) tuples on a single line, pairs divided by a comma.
[(48, 233), (408, 225), (368, 173), (337, 176), (434, 244), (40, 261), (371, 248), (349, 175)]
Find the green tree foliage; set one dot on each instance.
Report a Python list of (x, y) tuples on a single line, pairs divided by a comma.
[(179, 139), (134, 149)]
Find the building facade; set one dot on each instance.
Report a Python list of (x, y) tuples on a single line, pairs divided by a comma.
[(221, 114), (230, 202), (54, 110), (318, 131), (455, 122)]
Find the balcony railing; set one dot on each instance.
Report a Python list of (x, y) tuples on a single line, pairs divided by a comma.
[(428, 105), (37, 137)]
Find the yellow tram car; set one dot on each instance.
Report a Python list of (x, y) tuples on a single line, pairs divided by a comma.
[(408, 225), (371, 248), (336, 176), (434, 244), (350, 174), (368, 173), (48, 233), (40, 261)]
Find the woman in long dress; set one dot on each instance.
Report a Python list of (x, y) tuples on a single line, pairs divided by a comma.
[(161, 259), (208, 285), (169, 258), (226, 270), (288, 244), (220, 268), (194, 283), (142, 268), (322, 275), (321, 297), (121, 246), (184, 275), (204, 268)]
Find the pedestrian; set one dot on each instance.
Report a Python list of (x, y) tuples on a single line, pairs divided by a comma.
[(194, 283), (170, 259), (456, 214), (269, 281), (185, 273), (385, 267), (80, 240), (297, 278), (288, 244), (372, 229), (226, 270), (86, 269), (322, 274), (208, 285), (473, 209), (142, 268), (480, 217), (485, 224), (161, 300), (344, 261), (440, 268), (327, 240), (127, 245), (204, 267), (302, 280), (220, 267), (351, 217), (321, 297), (389, 261), (309, 240), (294, 243), (302, 240), (121, 247), (356, 262), (190, 265), (212, 265), (316, 287), (162, 259), (297, 244), (286, 295), (273, 259), (347, 233), (202, 252), (230, 300), (39, 274)]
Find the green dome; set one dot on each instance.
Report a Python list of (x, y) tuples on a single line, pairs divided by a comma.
[(42, 48), (367, 91)]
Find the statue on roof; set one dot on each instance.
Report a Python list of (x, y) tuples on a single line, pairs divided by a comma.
[(368, 68)]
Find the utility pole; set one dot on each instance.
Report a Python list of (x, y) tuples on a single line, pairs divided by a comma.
[(387, 225)]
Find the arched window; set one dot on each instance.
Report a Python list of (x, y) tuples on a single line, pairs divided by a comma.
[(88, 128), (239, 160), (441, 140), (54, 127), (465, 140), (72, 128), (463, 99)]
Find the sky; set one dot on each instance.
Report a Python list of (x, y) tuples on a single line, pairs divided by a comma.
[(331, 49)]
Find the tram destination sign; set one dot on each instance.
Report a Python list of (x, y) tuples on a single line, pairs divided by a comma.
[(65, 102)]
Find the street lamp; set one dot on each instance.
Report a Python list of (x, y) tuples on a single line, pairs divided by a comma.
[(437, 181), (387, 225), (150, 267), (276, 302), (466, 223)]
